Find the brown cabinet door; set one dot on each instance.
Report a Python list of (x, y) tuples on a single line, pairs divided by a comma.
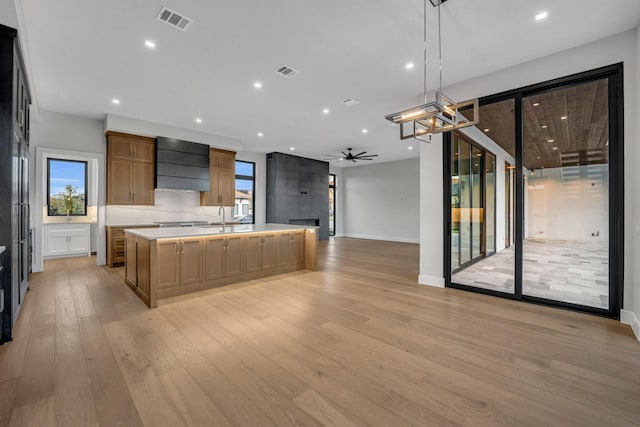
[(168, 264), (143, 266), (142, 184), (191, 265), (253, 253), (228, 162), (283, 249), (233, 256), (131, 261), (269, 258), (297, 247), (212, 197), (214, 258), (227, 188), (120, 148), (119, 176), (144, 152)]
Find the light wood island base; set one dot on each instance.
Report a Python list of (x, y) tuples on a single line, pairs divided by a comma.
[(158, 268)]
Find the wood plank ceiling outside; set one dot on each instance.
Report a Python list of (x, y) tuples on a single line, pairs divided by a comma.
[(581, 138)]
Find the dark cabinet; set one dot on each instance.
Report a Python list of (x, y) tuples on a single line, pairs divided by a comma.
[(15, 100), (298, 191)]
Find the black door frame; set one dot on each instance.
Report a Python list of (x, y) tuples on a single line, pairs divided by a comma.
[(614, 74)]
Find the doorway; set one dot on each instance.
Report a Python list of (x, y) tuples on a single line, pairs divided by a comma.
[(559, 201)]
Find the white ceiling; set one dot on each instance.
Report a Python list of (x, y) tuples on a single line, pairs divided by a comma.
[(83, 53)]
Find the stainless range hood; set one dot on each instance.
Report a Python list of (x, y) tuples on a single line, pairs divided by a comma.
[(181, 165)]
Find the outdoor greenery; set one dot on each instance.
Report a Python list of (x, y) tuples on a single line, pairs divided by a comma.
[(67, 202)]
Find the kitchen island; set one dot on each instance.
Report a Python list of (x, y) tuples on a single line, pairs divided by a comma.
[(172, 261)]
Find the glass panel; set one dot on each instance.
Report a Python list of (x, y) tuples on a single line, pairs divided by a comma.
[(566, 221), (490, 204), (332, 205), (465, 201), (66, 187), (477, 211), (455, 205), (244, 201), (486, 260)]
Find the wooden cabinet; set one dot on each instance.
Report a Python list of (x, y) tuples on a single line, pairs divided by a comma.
[(290, 248), (260, 252), (65, 240), (222, 174), (130, 169), (180, 262), (224, 257), (137, 271), (116, 243)]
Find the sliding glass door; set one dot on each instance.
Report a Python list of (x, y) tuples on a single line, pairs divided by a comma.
[(534, 195), (566, 170)]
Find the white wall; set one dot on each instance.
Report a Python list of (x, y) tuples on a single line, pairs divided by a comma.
[(611, 50), (8, 14), (634, 250), (568, 208), (382, 201)]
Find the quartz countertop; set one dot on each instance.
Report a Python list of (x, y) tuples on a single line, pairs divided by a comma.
[(178, 232)]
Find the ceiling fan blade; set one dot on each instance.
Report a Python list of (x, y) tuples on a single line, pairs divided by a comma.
[(344, 154), (356, 155), (353, 160), (368, 155), (363, 158)]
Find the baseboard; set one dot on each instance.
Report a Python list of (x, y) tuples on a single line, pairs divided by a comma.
[(628, 317), (384, 238), (436, 282)]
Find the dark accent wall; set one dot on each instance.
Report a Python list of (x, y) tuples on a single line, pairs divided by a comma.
[(182, 165), (297, 189)]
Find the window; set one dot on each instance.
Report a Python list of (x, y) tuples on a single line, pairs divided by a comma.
[(66, 187), (245, 196), (332, 204)]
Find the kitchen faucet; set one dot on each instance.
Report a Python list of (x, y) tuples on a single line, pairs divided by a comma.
[(223, 218)]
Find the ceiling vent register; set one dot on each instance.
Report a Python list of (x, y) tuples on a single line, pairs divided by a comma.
[(174, 19), (350, 102), (287, 72)]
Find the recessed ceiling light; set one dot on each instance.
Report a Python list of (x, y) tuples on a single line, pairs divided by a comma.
[(542, 15), (292, 148), (544, 126), (410, 147), (538, 157), (555, 148), (260, 134), (409, 65), (198, 120), (365, 131), (325, 111), (257, 85), (115, 101), (563, 118), (487, 130), (535, 104), (550, 140), (150, 44)]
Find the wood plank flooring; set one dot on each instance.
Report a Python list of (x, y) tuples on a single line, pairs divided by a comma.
[(356, 343)]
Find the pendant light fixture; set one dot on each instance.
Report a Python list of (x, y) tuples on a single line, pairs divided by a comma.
[(441, 115)]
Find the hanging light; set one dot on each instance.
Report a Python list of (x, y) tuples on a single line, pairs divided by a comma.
[(440, 115)]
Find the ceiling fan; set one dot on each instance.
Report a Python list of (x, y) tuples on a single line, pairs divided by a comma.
[(350, 156)]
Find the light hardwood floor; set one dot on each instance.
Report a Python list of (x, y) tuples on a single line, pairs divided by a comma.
[(356, 343)]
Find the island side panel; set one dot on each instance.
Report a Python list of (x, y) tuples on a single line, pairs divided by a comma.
[(311, 249), (153, 274)]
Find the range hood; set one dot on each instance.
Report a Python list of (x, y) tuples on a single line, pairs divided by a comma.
[(181, 165)]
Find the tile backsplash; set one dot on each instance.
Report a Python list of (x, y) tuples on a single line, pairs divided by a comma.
[(169, 206)]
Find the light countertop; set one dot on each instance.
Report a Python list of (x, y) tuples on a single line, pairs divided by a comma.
[(178, 232), (2, 249)]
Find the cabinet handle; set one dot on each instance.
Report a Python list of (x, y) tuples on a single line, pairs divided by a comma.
[(178, 248), (182, 244), (21, 118)]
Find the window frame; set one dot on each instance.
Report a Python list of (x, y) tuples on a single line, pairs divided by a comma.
[(335, 204), (253, 180), (86, 185)]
